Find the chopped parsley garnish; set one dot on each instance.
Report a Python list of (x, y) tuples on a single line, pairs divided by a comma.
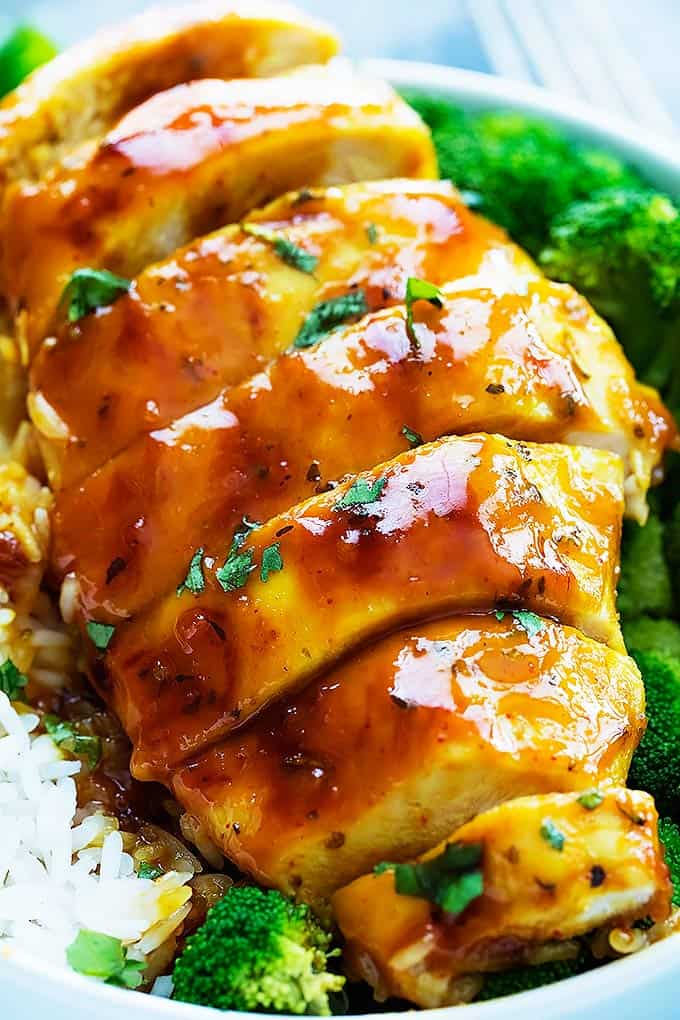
[(12, 680), (361, 493), (146, 870), (83, 745), (552, 835), (414, 438), (100, 634), (591, 800), (372, 233), (102, 956), (452, 880), (289, 252), (194, 581), (529, 622), (326, 315), (89, 289), (242, 532), (271, 561), (419, 290), (237, 566)]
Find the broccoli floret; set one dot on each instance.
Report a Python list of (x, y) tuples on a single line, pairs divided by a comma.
[(669, 834), (672, 548), (621, 248), (656, 763), (645, 582), (648, 635), (258, 951), (25, 50), (523, 979), (518, 171)]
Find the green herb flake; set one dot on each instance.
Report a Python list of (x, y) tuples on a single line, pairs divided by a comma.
[(414, 438), (591, 800), (361, 493), (102, 956), (242, 532), (372, 233), (194, 581), (530, 622), (552, 835), (12, 680), (326, 315), (146, 870), (236, 569), (419, 290), (289, 252), (271, 561), (499, 614), (100, 634), (90, 289), (452, 880), (65, 736)]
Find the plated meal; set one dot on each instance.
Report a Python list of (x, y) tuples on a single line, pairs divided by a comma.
[(330, 673)]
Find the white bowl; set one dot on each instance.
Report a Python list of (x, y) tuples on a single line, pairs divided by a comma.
[(644, 985)]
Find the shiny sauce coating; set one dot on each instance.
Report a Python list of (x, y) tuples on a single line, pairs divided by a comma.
[(392, 750), (468, 523)]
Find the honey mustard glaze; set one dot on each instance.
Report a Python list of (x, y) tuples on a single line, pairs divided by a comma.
[(217, 312), (478, 710), (462, 524), (192, 159), (318, 414)]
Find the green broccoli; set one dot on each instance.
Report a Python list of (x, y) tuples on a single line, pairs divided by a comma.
[(669, 834), (25, 50), (672, 545), (644, 589), (258, 951), (523, 979), (621, 248), (518, 171), (656, 763), (648, 635)]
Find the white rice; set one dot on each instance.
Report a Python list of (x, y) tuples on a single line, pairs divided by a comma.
[(57, 877)]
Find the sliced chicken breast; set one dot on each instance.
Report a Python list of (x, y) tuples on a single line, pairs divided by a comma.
[(394, 749), (217, 312), (84, 91), (551, 868), (465, 524), (361, 396), (192, 159)]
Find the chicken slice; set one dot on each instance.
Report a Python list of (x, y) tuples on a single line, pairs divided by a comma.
[(393, 750), (192, 159), (358, 397), (85, 90), (553, 867), (218, 311), (464, 524)]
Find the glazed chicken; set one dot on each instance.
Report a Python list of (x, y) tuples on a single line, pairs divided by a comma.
[(553, 867), (480, 710), (366, 238), (82, 93), (189, 160), (488, 366), (339, 483), (533, 527)]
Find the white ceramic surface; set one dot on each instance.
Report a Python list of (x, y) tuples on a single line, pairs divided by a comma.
[(642, 987)]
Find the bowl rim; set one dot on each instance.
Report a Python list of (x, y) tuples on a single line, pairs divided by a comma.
[(661, 160)]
